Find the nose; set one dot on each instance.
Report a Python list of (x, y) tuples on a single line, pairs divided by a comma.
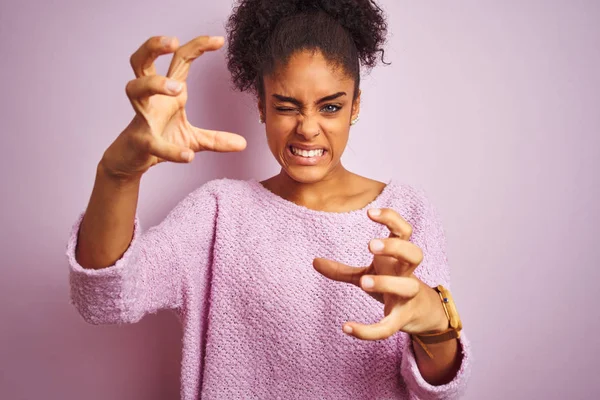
[(308, 128)]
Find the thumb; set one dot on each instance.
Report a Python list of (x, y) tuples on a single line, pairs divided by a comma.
[(170, 152)]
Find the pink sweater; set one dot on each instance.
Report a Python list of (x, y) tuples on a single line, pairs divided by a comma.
[(235, 262)]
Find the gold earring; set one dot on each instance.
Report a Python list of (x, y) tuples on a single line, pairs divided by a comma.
[(261, 120), (354, 121)]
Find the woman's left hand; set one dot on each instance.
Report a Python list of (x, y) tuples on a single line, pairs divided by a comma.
[(409, 304)]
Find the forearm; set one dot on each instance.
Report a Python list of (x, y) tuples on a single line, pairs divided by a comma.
[(444, 365), (447, 358), (107, 227)]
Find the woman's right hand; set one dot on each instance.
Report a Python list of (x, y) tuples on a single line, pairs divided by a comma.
[(160, 130)]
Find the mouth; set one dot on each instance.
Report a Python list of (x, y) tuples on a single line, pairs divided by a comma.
[(306, 157)]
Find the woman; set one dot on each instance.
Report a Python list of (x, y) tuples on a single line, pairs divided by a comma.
[(280, 285)]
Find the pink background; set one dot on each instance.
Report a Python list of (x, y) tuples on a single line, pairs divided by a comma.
[(491, 106)]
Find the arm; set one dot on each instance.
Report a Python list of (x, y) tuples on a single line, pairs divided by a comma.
[(118, 274), (447, 357), (445, 376), (108, 225)]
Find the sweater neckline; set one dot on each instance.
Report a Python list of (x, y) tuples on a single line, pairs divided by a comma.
[(297, 208)]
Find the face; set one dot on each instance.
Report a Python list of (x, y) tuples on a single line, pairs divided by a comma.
[(308, 106)]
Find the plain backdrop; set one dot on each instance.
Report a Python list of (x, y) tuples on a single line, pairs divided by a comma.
[(491, 106)]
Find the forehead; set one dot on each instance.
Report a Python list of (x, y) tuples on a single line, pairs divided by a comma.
[(308, 75)]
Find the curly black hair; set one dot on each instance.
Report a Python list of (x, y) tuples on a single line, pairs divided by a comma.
[(264, 34)]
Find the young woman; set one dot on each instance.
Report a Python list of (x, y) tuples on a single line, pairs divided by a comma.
[(317, 283)]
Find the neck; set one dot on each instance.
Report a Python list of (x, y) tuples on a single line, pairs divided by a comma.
[(311, 194)]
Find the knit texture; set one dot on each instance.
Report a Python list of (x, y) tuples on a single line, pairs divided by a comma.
[(234, 260)]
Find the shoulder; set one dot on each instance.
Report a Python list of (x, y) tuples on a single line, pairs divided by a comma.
[(414, 205), (221, 187), (428, 233), (211, 196), (223, 190), (410, 198)]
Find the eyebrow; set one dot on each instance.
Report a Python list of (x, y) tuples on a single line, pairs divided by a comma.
[(298, 103)]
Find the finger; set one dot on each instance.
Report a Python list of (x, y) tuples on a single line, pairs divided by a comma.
[(147, 86), (383, 329), (142, 61), (169, 151), (338, 271), (399, 249), (180, 64), (394, 222), (220, 141), (403, 287)]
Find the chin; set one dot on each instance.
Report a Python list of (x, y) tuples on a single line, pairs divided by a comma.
[(306, 174)]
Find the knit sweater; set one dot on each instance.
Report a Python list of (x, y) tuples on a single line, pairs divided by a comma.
[(234, 261)]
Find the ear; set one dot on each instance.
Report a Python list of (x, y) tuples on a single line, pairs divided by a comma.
[(356, 106), (261, 109)]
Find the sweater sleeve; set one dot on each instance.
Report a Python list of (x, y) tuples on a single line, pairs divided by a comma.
[(429, 235), (151, 274)]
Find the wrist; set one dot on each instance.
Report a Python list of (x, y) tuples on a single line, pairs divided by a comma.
[(122, 180), (442, 331), (439, 318)]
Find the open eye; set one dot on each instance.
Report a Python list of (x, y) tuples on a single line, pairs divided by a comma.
[(331, 108)]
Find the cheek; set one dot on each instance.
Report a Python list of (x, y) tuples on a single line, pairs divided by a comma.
[(338, 139), (277, 139), (337, 131), (280, 129), (284, 125)]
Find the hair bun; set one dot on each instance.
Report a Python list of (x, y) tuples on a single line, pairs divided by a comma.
[(253, 22)]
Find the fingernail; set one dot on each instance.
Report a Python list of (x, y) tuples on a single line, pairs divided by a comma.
[(186, 155), (367, 282), (165, 41), (216, 39), (173, 86), (375, 212), (376, 245), (347, 329)]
